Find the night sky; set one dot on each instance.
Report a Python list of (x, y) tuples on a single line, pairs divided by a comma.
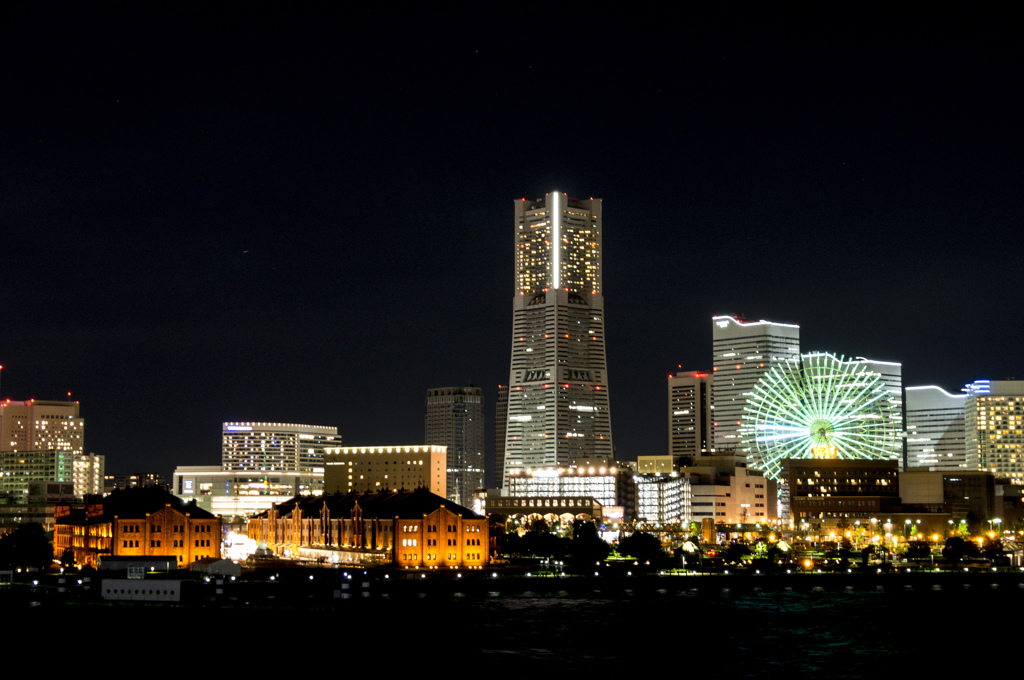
[(253, 214)]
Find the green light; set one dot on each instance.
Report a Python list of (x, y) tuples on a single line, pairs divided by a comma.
[(819, 406)]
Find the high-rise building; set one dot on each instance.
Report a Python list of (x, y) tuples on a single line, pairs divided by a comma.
[(355, 469), (43, 441), (744, 352), (558, 405), (690, 415), (276, 447), (935, 429), (496, 470), (38, 425), (994, 427), (455, 419)]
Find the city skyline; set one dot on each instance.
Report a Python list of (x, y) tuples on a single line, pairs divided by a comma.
[(242, 220)]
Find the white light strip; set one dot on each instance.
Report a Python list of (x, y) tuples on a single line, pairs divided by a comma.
[(556, 243)]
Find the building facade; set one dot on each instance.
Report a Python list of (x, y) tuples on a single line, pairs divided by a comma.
[(41, 425), (357, 469), (44, 441), (406, 529), (690, 415), (496, 470), (236, 494), (276, 447), (994, 427), (743, 352), (558, 402), (936, 438), (455, 419), (142, 522)]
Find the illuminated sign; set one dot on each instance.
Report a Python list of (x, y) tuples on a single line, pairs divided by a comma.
[(824, 451)]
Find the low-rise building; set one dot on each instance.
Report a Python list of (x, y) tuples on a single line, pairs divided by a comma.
[(141, 522), (410, 529)]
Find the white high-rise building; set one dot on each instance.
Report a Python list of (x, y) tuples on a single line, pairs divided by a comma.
[(455, 419), (994, 427), (276, 447), (744, 351), (558, 405), (935, 429)]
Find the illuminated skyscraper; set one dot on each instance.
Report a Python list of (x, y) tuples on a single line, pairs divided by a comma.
[(935, 429), (994, 427), (744, 351), (558, 406), (689, 415), (455, 419)]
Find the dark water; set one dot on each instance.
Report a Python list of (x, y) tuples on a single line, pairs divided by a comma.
[(834, 631)]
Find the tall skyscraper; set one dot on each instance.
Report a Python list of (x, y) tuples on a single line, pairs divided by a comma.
[(455, 419), (689, 415), (935, 429), (744, 351), (994, 427), (558, 405)]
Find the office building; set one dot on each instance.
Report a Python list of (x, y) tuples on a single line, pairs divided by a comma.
[(994, 427), (959, 493), (663, 499), (841, 489), (39, 425), (743, 352), (276, 447), (558, 403), (724, 490), (43, 441), (690, 415), (455, 419), (496, 470), (357, 469), (936, 438)]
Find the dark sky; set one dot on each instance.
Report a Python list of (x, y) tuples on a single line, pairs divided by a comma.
[(256, 214)]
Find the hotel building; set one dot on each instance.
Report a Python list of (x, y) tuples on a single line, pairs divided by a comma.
[(358, 469), (558, 404), (743, 352), (936, 438), (276, 447), (994, 427), (455, 419)]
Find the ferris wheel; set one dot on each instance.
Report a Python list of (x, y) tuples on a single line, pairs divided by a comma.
[(819, 406)]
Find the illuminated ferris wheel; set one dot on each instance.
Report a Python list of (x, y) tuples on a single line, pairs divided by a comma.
[(819, 406)]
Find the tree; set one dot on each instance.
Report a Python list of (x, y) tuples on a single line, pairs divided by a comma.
[(641, 546), (26, 546), (587, 546)]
